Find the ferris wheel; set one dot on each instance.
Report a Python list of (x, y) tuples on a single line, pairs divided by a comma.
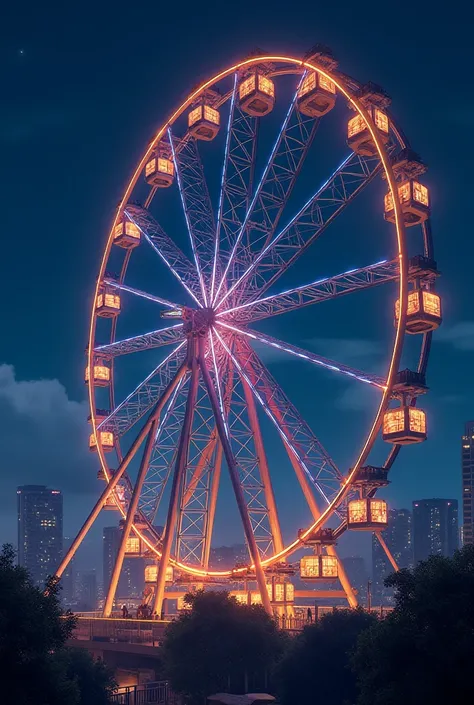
[(211, 225)]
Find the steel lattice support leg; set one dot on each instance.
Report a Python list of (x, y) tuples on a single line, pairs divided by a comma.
[(181, 461), (234, 476), (133, 506), (388, 552), (263, 467), (114, 480)]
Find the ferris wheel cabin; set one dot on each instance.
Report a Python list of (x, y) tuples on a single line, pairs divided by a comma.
[(359, 137), (404, 425), (316, 95), (108, 302), (319, 568), (257, 94), (367, 514), (106, 440), (159, 170), (423, 311), (414, 202), (204, 122), (126, 234), (101, 375)]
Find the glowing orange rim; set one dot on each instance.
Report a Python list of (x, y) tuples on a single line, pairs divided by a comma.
[(400, 329)]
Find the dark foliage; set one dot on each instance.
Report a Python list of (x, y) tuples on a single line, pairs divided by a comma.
[(35, 666), (423, 651), (316, 666), (220, 645)]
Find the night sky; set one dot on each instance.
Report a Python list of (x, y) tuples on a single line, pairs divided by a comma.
[(84, 88)]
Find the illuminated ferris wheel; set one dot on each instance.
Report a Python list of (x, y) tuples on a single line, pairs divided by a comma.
[(206, 243)]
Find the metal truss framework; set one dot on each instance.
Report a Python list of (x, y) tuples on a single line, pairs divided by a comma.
[(205, 401)]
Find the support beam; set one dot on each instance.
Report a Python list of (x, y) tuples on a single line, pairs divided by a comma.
[(132, 509), (119, 473), (263, 467), (388, 552), (181, 461), (234, 476)]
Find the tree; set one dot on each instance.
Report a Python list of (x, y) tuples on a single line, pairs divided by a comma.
[(94, 680), (316, 667), (35, 666), (423, 651), (220, 645)]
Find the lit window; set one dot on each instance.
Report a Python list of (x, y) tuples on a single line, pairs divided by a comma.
[(211, 115), (417, 420), (413, 305), (329, 566), (131, 229), (266, 85), (247, 86), (381, 120), (327, 84), (420, 193), (309, 83), (194, 115), (394, 421), (150, 167), (355, 125), (165, 166), (132, 545), (378, 511), (309, 567), (431, 303), (357, 511)]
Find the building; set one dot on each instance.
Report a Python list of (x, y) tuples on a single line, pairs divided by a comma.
[(467, 462), (399, 538), (356, 571), (132, 578), (40, 531), (435, 528), (87, 584), (227, 557)]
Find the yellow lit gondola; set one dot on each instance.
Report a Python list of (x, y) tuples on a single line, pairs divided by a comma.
[(126, 234), (404, 425), (367, 514), (316, 95), (159, 170), (204, 122), (106, 439), (359, 138), (318, 567), (423, 311), (257, 94), (414, 202), (108, 302), (101, 375)]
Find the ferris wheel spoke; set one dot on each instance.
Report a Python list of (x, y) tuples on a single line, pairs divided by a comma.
[(196, 206), (175, 260), (147, 341), (142, 294), (273, 190), (298, 438), (367, 378), (349, 179), (237, 178), (145, 395), (320, 290), (195, 497), (164, 453)]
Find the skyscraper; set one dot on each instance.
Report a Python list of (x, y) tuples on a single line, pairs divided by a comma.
[(399, 538), (132, 578), (467, 460), (40, 530), (435, 528)]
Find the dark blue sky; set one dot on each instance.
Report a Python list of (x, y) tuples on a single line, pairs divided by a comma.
[(84, 88)]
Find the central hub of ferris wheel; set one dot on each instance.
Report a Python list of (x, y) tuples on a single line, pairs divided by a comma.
[(196, 320)]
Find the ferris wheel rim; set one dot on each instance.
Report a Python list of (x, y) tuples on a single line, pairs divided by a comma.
[(299, 66)]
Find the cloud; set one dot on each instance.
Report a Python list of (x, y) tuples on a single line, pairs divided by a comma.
[(43, 437), (460, 335)]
